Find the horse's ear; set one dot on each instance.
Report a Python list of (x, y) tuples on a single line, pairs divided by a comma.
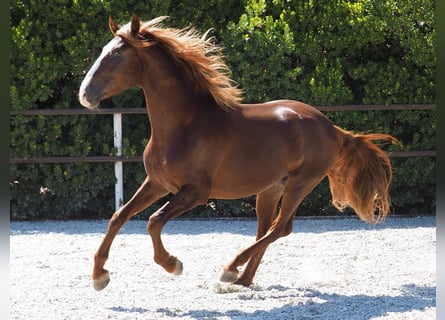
[(135, 25), (113, 26)]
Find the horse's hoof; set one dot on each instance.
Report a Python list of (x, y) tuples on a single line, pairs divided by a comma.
[(228, 276), (177, 271), (243, 282), (102, 281)]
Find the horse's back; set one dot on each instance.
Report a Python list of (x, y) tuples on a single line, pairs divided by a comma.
[(282, 110), (266, 142), (291, 120)]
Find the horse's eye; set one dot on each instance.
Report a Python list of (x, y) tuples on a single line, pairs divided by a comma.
[(116, 54)]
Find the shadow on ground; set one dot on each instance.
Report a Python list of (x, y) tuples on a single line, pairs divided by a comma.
[(317, 305)]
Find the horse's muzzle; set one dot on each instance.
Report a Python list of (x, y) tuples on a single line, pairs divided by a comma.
[(88, 96)]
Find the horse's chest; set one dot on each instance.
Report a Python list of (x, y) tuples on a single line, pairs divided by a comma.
[(169, 166)]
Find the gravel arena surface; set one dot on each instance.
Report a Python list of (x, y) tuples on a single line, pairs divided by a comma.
[(325, 269)]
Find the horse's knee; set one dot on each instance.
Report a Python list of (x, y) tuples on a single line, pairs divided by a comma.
[(116, 221), (154, 224)]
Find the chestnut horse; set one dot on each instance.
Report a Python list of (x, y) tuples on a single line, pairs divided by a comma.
[(205, 144)]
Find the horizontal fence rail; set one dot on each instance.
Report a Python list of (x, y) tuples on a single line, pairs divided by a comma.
[(119, 159), (113, 111), (102, 159), (83, 111)]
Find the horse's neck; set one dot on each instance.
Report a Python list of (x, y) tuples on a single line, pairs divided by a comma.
[(171, 102), (166, 111)]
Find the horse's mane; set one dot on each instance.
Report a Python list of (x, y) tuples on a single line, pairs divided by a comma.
[(187, 46)]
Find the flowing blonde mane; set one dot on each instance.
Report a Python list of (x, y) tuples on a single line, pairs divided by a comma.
[(187, 46)]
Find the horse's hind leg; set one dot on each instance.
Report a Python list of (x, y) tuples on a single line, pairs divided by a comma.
[(147, 194), (295, 191), (266, 211)]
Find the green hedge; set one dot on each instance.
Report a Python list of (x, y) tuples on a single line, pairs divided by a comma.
[(321, 52)]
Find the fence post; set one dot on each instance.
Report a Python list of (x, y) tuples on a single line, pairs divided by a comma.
[(118, 170)]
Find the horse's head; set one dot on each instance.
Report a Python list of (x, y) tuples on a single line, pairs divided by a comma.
[(183, 56), (117, 68)]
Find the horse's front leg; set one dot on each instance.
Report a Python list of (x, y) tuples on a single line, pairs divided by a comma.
[(146, 195), (187, 198)]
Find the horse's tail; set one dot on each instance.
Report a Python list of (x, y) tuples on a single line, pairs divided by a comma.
[(361, 175)]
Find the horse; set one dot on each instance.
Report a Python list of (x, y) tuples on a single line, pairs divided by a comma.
[(206, 144)]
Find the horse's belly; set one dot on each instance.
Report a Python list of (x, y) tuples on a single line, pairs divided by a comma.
[(241, 180)]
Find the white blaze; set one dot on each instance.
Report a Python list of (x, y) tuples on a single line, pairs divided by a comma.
[(107, 50)]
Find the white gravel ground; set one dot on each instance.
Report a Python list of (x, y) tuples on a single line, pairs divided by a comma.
[(326, 269)]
